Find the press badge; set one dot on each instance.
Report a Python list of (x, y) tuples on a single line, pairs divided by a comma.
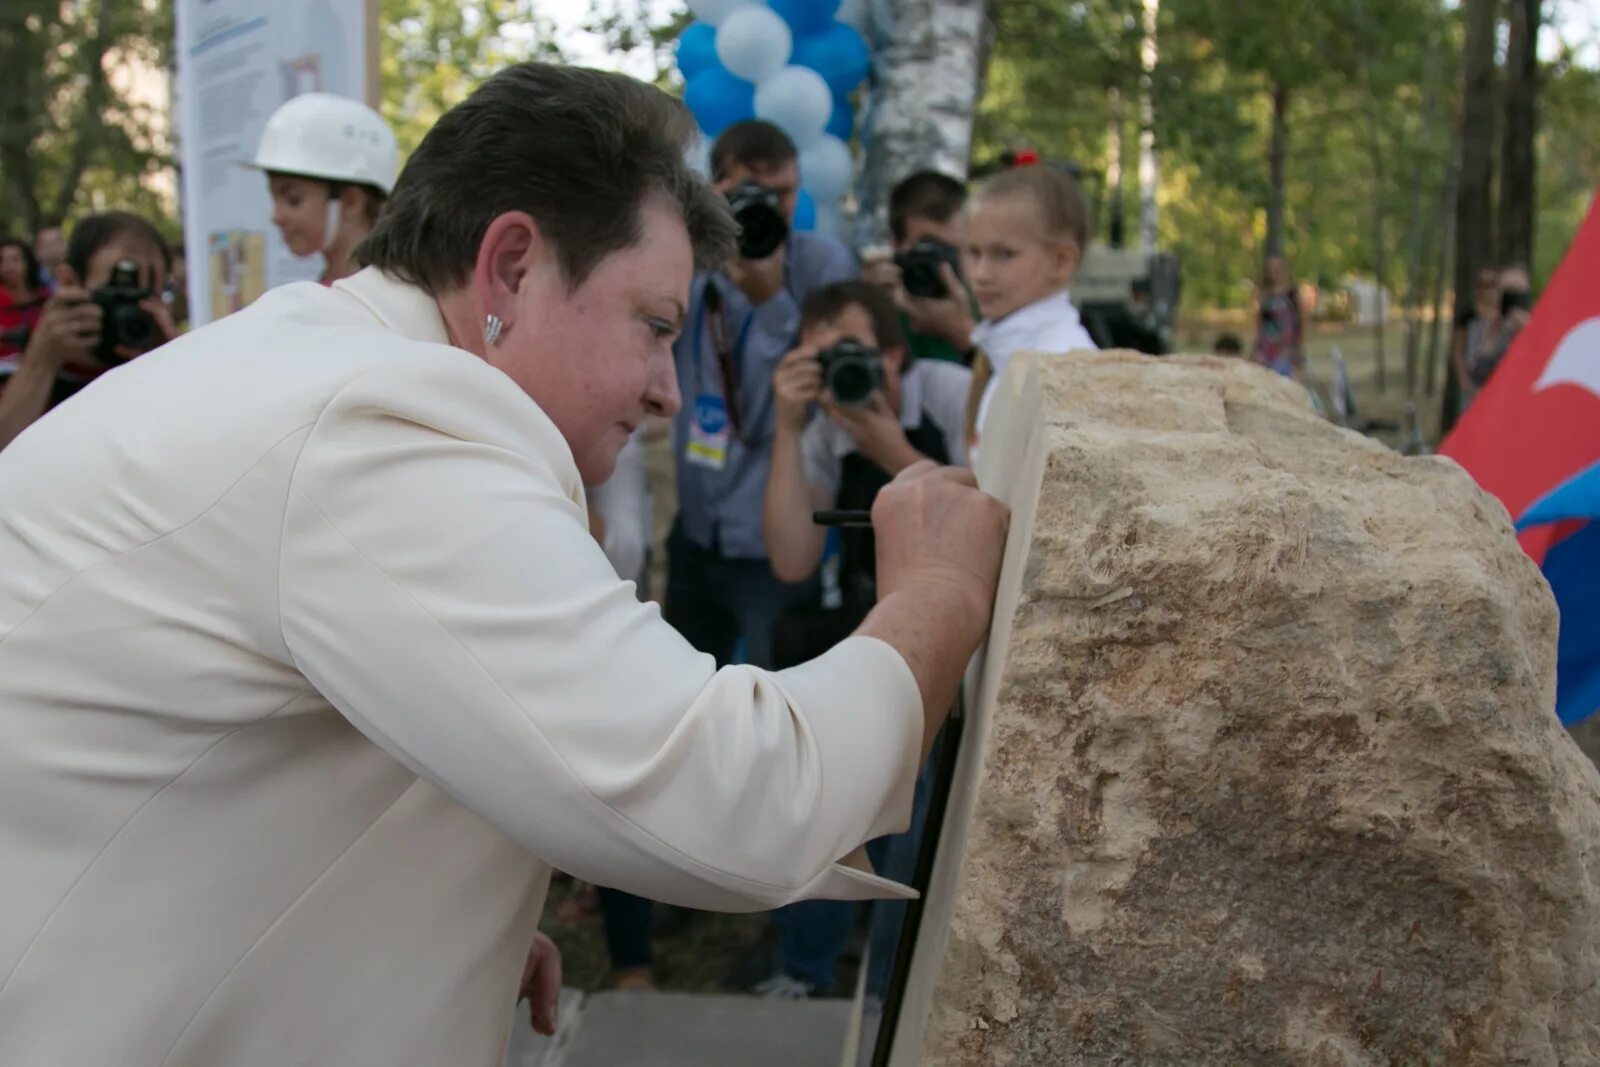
[(708, 433)]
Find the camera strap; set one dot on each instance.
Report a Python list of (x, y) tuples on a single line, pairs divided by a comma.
[(727, 354)]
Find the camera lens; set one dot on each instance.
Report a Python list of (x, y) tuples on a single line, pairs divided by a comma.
[(762, 225), (851, 383), (133, 327), (761, 231)]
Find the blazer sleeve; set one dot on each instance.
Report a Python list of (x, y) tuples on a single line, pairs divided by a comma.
[(438, 585)]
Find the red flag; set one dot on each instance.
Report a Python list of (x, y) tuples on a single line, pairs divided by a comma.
[(1537, 421)]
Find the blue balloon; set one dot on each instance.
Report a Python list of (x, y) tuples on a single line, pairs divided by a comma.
[(717, 100), (805, 16), (842, 123), (697, 48), (838, 53), (805, 213)]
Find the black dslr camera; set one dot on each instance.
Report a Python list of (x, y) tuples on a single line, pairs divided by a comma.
[(123, 323), (851, 371), (919, 267), (762, 224)]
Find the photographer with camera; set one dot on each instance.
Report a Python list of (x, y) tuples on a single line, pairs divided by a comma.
[(720, 590), (854, 409), (924, 273), (105, 311)]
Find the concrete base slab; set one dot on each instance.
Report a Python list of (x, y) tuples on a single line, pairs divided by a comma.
[(623, 1029)]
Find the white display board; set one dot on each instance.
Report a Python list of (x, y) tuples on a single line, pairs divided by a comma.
[(238, 61)]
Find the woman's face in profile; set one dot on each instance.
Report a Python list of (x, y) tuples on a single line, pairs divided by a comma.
[(598, 358)]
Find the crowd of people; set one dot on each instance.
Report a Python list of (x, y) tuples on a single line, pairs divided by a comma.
[(808, 379)]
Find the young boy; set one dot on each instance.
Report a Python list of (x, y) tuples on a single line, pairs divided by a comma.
[(825, 455), (840, 457)]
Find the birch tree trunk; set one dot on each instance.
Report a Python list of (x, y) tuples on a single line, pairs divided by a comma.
[(928, 66), (1515, 231)]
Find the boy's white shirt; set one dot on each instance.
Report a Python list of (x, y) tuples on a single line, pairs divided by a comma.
[(1050, 325)]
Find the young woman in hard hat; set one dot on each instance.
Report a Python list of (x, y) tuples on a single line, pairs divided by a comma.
[(330, 163)]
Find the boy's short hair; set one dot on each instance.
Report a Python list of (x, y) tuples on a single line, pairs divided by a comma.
[(1227, 345), (93, 233), (825, 305), (926, 194), (751, 143)]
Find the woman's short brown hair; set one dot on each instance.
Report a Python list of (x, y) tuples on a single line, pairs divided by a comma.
[(579, 150)]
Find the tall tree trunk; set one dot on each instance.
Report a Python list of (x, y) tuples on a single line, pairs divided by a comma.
[(1277, 161), (927, 73), (1422, 224), (1380, 251), (22, 107), (1444, 237), (1114, 186), (1149, 161), (1516, 145), (1474, 241), (1380, 187)]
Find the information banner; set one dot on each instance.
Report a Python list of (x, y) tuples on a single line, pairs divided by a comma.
[(238, 61)]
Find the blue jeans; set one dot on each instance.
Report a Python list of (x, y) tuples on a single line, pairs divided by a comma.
[(721, 605)]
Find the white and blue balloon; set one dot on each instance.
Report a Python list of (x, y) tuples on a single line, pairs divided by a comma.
[(792, 63)]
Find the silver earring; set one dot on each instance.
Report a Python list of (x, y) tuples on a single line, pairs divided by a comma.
[(493, 327)]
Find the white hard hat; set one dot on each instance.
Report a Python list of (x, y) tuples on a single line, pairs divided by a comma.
[(320, 135)]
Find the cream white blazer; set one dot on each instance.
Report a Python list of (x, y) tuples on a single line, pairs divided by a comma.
[(309, 673)]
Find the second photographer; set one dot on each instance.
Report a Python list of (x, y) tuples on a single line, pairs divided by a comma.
[(104, 312), (854, 409)]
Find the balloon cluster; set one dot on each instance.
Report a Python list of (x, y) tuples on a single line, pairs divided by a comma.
[(792, 63)]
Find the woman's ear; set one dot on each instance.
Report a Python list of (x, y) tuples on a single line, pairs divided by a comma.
[(511, 250)]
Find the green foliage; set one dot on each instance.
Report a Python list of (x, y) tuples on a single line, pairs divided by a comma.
[(434, 52), (1374, 90), (69, 140)]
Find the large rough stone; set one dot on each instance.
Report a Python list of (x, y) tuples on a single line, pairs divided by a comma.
[(1265, 768)]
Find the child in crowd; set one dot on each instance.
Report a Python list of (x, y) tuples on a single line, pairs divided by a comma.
[(1026, 235), (832, 451)]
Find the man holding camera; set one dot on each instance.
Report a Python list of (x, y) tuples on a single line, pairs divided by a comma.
[(720, 590), (104, 311), (923, 274)]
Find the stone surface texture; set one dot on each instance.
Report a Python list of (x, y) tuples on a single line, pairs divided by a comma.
[(1270, 773)]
